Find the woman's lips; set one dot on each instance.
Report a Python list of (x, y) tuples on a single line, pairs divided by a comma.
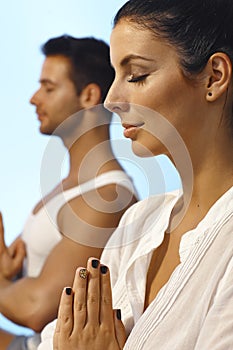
[(131, 130)]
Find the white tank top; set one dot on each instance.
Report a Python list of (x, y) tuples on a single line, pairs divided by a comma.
[(41, 231)]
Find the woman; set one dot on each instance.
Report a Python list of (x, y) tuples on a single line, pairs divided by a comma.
[(171, 272)]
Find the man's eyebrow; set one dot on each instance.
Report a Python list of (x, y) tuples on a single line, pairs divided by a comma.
[(129, 58), (47, 81)]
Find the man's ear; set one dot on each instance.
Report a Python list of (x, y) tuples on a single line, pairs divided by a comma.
[(219, 69), (90, 95)]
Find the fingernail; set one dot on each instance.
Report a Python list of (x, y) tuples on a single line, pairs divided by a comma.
[(68, 290), (118, 314), (95, 263), (83, 273), (103, 269)]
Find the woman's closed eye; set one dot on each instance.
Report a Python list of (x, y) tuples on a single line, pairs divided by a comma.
[(136, 79)]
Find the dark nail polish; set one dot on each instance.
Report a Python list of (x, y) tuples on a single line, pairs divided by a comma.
[(95, 263), (68, 291), (103, 269), (118, 314)]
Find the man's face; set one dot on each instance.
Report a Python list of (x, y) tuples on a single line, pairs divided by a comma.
[(56, 99)]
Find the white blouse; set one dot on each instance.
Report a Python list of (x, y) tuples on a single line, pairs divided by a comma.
[(194, 309)]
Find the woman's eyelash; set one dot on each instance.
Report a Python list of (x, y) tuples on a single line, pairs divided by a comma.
[(133, 79)]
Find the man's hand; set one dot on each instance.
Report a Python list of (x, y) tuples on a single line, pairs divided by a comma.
[(11, 258)]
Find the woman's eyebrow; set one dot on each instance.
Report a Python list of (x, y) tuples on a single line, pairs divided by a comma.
[(132, 57)]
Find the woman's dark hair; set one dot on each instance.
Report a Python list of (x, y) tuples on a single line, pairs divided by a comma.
[(89, 57), (197, 28)]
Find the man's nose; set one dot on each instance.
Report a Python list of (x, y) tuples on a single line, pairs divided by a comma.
[(34, 99)]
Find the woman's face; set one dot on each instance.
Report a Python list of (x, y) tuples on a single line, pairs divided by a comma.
[(147, 73)]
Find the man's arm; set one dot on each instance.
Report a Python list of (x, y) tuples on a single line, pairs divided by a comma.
[(6, 339), (33, 302)]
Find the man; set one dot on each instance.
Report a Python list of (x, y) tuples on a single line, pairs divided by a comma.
[(73, 221)]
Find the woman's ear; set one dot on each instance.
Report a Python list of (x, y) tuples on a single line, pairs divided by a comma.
[(219, 69), (90, 95)]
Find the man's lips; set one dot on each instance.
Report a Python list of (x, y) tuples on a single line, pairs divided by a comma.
[(40, 115)]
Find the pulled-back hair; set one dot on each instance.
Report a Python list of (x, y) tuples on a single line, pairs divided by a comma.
[(89, 58), (197, 28)]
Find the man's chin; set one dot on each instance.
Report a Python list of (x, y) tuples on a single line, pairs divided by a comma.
[(45, 131)]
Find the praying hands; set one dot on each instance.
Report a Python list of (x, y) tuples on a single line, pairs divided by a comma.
[(86, 319)]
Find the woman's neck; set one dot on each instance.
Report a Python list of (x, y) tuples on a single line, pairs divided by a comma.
[(212, 176)]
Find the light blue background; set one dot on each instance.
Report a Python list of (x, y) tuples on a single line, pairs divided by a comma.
[(25, 25)]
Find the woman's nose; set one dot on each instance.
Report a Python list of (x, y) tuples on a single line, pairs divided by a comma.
[(116, 102), (116, 107)]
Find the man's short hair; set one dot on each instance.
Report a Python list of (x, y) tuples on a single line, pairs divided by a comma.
[(89, 57)]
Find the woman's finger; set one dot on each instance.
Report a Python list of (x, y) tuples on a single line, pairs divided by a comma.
[(56, 336), (119, 329), (64, 325), (80, 299), (106, 315), (93, 292)]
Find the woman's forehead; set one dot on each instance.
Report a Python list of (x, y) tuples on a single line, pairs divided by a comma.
[(128, 39)]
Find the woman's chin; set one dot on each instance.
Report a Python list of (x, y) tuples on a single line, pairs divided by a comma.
[(141, 150)]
